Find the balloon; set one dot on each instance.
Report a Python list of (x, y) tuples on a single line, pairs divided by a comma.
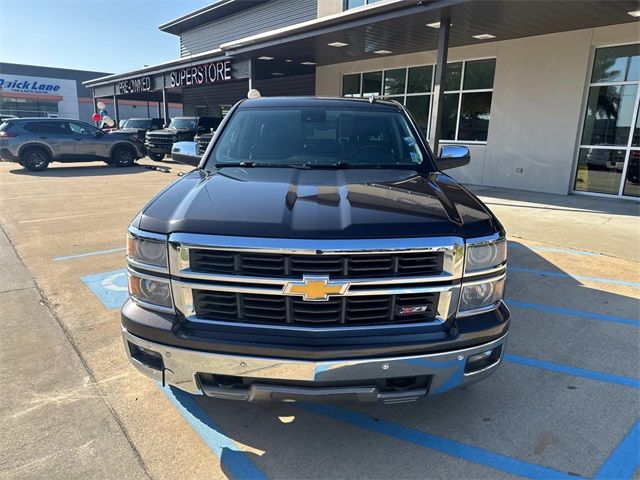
[(95, 117), (101, 106), (108, 121)]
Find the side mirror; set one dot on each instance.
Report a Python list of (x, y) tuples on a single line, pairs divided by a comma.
[(453, 156), (186, 153)]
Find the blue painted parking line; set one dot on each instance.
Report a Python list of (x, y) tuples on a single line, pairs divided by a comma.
[(521, 246), (453, 448), (109, 287), (576, 313), (584, 278), (88, 254), (574, 371), (231, 456), (625, 458)]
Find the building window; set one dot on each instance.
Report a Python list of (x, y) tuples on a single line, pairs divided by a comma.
[(348, 4), (371, 83), (410, 86), (468, 89), (609, 153), (467, 100), (25, 107)]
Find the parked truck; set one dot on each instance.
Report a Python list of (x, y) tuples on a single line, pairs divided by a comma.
[(317, 251)]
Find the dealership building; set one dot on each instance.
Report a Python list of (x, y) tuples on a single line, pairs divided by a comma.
[(33, 91), (544, 93)]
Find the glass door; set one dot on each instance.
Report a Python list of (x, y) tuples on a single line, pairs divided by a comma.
[(609, 153)]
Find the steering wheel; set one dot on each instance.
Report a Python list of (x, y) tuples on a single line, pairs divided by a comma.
[(364, 148)]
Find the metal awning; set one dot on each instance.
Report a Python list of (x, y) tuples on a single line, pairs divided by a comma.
[(401, 27)]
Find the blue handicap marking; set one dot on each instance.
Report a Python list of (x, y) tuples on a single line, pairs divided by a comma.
[(109, 287)]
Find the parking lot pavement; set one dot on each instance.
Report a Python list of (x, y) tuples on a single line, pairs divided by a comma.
[(580, 222), (564, 404)]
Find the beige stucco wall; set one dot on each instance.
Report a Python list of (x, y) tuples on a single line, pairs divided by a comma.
[(329, 7), (536, 108)]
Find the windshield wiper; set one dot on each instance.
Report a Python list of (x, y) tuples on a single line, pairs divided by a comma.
[(251, 163), (244, 163)]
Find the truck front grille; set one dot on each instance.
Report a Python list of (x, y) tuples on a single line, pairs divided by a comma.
[(291, 283), (203, 143), (337, 266), (160, 139), (281, 310)]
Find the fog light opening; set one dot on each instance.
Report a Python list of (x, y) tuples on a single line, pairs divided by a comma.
[(149, 358), (483, 360)]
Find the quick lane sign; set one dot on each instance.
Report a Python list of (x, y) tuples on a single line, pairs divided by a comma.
[(135, 85), (22, 85), (214, 72)]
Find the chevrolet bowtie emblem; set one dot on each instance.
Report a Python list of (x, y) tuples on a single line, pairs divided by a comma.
[(315, 288)]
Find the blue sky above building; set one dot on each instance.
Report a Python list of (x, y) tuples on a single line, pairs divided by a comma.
[(113, 36)]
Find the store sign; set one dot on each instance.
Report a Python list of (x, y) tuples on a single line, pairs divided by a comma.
[(25, 85), (134, 85), (214, 72)]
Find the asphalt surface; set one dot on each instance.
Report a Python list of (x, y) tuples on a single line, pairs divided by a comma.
[(564, 404)]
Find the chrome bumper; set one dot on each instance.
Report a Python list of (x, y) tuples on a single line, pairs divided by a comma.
[(181, 369)]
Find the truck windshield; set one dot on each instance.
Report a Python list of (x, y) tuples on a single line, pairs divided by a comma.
[(138, 123), (188, 123), (318, 136)]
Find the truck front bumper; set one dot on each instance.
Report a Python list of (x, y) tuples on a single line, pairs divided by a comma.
[(239, 377)]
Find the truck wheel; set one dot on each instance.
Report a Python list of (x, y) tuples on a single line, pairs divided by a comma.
[(35, 159), (122, 157), (156, 157)]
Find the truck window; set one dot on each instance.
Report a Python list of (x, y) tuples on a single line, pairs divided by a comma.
[(318, 135)]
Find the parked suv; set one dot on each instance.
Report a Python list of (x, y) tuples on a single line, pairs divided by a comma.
[(180, 129), (140, 126), (36, 142), (316, 252)]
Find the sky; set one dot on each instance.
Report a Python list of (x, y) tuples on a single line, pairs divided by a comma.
[(109, 36)]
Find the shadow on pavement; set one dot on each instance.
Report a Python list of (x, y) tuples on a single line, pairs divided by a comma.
[(80, 171), (549, 201)]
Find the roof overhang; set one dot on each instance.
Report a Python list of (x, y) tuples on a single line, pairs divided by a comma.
[(397, 26), (217, 10), (400, 27)]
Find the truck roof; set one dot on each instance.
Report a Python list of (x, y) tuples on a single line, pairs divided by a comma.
[(336, 102)]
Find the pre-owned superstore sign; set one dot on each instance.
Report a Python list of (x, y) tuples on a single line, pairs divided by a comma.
[(214, 72), (135, 85)]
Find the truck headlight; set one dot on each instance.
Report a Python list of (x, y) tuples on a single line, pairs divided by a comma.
[(485, 255), (481, 295), (147, 251), (153, 292)]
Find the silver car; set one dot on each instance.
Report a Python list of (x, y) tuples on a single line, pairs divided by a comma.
[(36, 142)]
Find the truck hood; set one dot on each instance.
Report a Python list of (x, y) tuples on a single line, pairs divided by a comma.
[(127, 130), (293, 203)]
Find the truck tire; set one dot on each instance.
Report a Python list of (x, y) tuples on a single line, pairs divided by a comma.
[(35, 159), (156, 157), (123, 156)]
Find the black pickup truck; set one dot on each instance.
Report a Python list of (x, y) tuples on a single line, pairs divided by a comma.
[(317, 251), (159, 142), (139, 127)]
